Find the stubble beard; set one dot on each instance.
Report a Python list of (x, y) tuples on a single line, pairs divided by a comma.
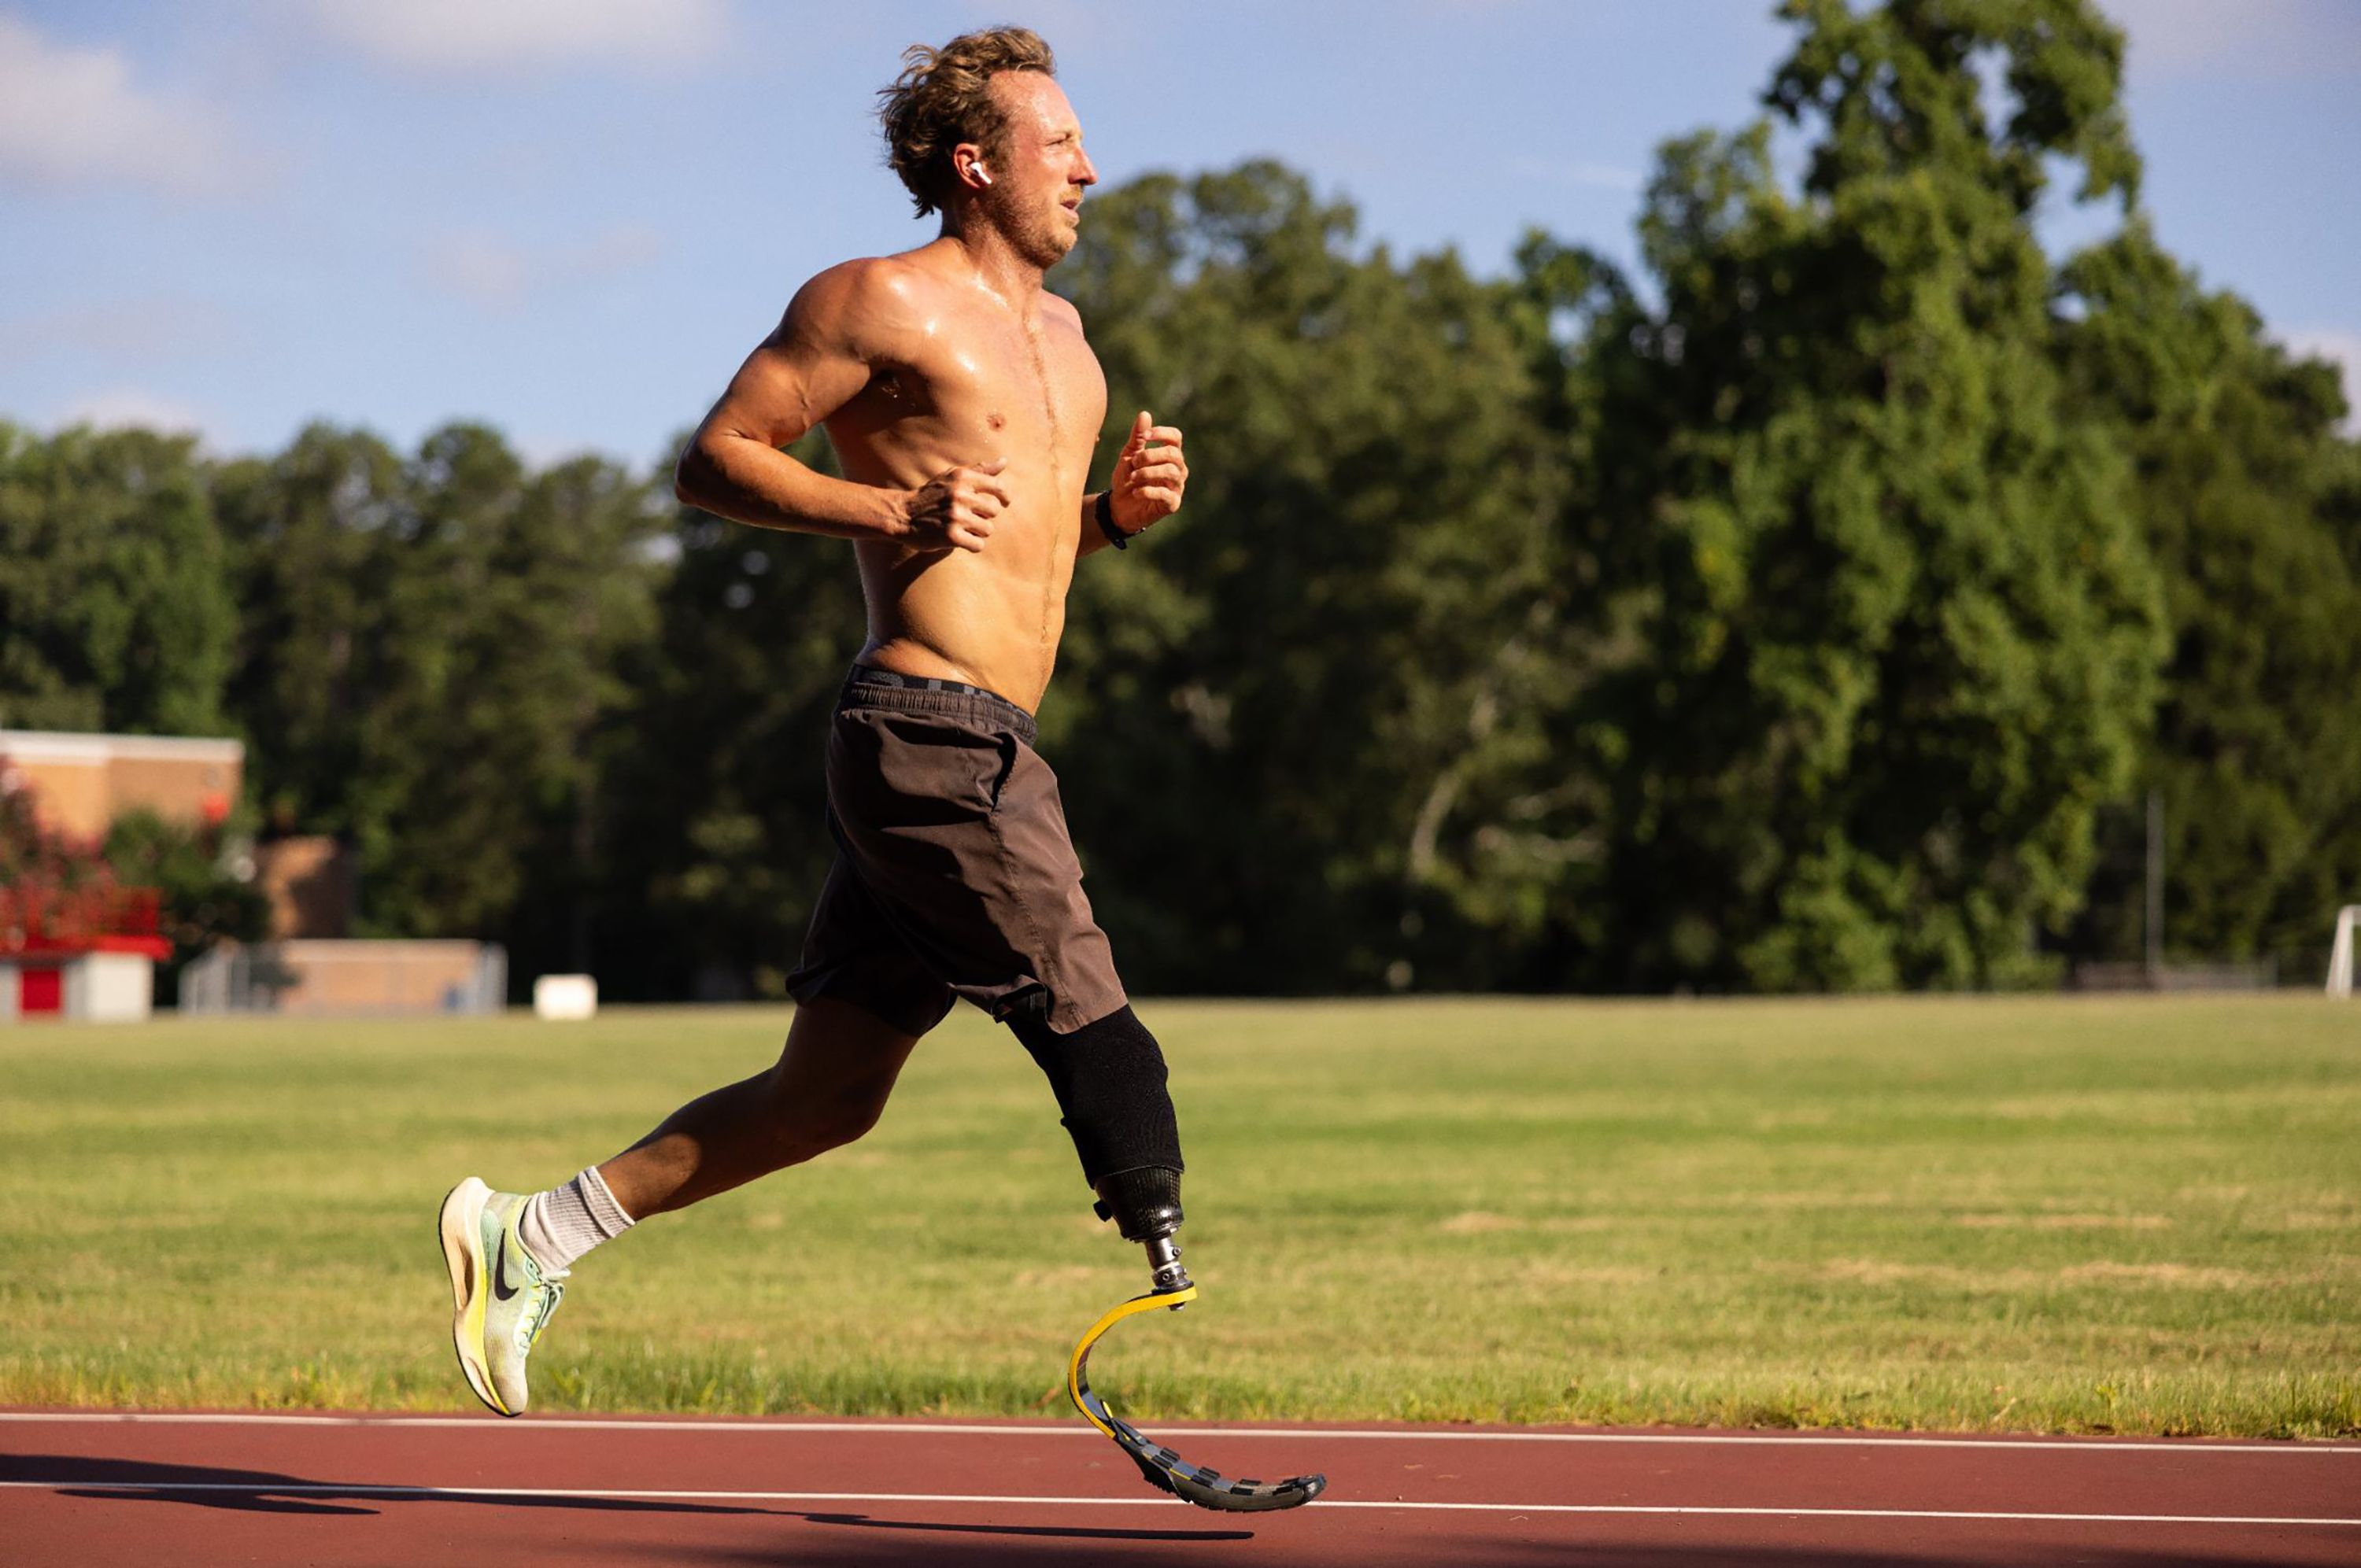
[(1040, 239)]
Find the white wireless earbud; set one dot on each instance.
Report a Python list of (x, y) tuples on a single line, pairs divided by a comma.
[(982, 175)]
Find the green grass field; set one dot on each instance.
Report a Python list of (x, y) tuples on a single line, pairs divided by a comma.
[(2019, 1214)]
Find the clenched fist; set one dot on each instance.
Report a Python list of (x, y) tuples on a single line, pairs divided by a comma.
[(1148, 479), (954, 510)]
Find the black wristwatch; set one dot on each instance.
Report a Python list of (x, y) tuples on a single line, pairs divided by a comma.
[(1103, 509)]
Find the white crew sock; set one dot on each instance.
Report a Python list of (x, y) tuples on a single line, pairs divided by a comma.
[(561, 1224)]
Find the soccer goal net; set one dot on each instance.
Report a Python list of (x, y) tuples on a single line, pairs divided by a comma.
[(2340, 956)]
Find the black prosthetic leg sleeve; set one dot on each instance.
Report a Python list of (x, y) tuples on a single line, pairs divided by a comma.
[(1109, 1079), (1143, 1203)]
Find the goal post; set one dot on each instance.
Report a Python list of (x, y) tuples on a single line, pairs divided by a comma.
[(2340, 956)]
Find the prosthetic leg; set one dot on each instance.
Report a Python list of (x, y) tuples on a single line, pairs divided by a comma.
[(1146, 1206), (1109, 1079)]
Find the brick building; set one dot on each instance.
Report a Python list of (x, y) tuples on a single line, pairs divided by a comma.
[(92, 955), (85, 782)]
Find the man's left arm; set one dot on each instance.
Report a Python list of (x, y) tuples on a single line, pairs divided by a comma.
[(1150, 476)]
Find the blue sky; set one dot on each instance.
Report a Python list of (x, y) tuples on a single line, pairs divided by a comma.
[(572, 217)]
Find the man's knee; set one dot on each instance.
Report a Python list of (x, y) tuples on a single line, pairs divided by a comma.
[(831, 1082), (830, 1122)]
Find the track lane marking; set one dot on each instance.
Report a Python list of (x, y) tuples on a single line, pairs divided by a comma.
[(309, 1488), (1811, 1440)]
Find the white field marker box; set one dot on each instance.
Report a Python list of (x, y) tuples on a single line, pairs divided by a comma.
[(564, 996)]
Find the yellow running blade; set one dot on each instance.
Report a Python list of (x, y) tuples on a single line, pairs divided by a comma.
[(1163, 1468)]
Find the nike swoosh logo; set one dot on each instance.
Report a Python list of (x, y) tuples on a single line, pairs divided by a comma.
[(501, 1288)]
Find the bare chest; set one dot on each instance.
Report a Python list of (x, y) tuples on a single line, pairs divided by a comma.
[(992, 387)]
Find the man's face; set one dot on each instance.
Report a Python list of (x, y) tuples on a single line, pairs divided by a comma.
[(1039, 171)]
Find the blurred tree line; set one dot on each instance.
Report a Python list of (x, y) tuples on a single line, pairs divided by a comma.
[(1814, 609)]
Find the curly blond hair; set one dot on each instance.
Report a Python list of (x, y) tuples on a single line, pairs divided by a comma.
[(943, 98)]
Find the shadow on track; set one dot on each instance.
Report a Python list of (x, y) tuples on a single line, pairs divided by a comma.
[(2251, 1553), (267, 1492), (1054, 1532), (852, 1540), (1098, 1548), (1429, 1552)]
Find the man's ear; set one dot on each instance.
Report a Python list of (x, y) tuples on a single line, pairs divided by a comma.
[(967, 163)]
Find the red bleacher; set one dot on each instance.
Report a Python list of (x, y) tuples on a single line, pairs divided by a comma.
[(47, 922)]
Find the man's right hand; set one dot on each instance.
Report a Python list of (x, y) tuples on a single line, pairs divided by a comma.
[(954, 510)]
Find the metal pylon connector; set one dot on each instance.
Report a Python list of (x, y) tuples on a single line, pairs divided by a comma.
[(1167, 1271)]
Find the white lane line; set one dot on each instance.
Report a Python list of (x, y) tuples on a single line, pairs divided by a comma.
[(309, 1488), (1798, 1440)]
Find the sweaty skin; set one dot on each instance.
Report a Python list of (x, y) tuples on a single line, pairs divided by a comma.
[(963, 403)]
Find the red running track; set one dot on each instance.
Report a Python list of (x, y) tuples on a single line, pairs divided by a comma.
[(98, 1487)]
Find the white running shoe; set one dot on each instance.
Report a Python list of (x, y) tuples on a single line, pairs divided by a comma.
[(501, 1297)]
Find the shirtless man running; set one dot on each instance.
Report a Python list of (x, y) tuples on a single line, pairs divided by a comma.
[(963, 404)]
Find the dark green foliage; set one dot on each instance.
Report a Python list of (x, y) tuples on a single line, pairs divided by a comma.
[(1810, 612), (1292, 689), (113, 615), (1890, 630), (203, 899), (2245, 494), (316, 539), (715, 784), (431, 668)]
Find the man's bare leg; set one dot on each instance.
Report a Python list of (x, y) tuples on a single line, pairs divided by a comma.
[(827, 1088), (508, 1253)]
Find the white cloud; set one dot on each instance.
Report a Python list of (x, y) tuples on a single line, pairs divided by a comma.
[(541, 449), (469, 35), (501, 275), (120, 407), (2270, 39), (618, 250), (2342, 349), (71, 114), (1577, 172), (144, 329), (492, 272)]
